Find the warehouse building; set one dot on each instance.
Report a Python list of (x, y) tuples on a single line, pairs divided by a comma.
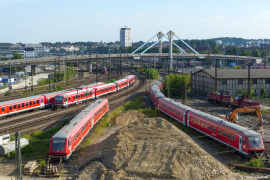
[(231, 80)]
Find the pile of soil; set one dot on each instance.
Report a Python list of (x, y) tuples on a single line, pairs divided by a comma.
[(148, 148)]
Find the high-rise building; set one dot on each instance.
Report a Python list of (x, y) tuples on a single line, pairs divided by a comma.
[(125, 37)]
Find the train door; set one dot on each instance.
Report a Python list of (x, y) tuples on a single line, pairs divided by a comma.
[(186, 117), (42, 102), (70, 145), (240, 143)]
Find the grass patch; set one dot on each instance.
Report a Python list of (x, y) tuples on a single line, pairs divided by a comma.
[(265, 112), (256, 163), (7, 93)]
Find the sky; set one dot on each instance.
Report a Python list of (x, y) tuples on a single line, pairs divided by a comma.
[(35, 21)]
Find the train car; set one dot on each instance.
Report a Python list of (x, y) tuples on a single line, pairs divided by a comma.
[(221, 97), (103, 70), (105, 89), (21, 105), (66, 99), (240, 101), (245, 141), (50, 97), (122, 83), (131, 79), (91, 85), (69, 137), (155, 94)]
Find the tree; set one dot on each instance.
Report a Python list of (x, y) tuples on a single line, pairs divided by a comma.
[(4, 58), (16, 55)]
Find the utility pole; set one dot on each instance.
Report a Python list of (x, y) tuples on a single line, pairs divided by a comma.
[(266, 56), (216, 72), (127, 58), (194, 63), (109, 74), (96, 67), (77, 84), (54, 72), (191, 84), (209, 59), (49, 82), (9, 70), (59, 66), (18, 157), (120, 64), (25, 78), (149, 74), (249, 64)]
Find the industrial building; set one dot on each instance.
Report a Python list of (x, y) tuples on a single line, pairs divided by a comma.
[(231, 80), (125, 37)]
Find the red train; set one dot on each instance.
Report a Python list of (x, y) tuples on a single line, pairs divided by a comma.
[(69, 137), (245, 141), (67, 99), (223, 98), (12, 107), (103, 70)]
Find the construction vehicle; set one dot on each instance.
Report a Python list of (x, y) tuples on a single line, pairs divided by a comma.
[(233, 117)]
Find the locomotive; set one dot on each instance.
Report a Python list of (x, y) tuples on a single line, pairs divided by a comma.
[(246, 142)]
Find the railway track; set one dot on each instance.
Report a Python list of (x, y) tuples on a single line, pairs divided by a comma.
[(44, 118)]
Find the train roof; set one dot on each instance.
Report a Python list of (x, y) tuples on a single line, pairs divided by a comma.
[(105, 85), (187, 108), (52, 93), (79, 91), (96, 83), (120, 80), (21, 99), (88, 111), (225, 123), (129, 76)]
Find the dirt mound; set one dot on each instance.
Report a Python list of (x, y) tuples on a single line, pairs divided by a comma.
[(148, 148)]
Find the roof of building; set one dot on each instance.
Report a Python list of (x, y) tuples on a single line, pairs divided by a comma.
[(237, 73)]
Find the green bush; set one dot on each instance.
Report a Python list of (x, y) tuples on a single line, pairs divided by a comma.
[(154, 74), (7, 93), (256, 163)]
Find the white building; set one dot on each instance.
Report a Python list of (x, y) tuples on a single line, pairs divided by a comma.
[(125, 37)]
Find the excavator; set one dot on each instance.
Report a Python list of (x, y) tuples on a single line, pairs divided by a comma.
[(233, 117)]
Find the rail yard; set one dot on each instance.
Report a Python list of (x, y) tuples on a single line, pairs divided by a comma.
[(131, 151)]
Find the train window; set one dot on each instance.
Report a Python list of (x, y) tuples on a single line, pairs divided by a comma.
[(229, 136), (34, 102), (233, 137), (30, 103), (73, 97), (195, 120), (219, 131), (206, 125), (240, 140), (69, 142), (244, 140), (210, 127), (15, 106), (10, 107), (214, 128), (191, 119), (26, 104), (69, 98), (202, 124), (37, 101), (19, 105), (22, 104), (224, 133), (199, 122), (66, 99), (3, 109)]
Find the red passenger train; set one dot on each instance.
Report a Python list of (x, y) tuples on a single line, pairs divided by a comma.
[(69, 137), (245, 141)]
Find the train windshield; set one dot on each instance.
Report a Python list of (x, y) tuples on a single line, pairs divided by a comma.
[(255, 141), (58, 144), (59, 99)]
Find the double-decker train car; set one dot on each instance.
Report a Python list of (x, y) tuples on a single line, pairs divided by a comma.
[(21, 105), (131, 79), (105, 89), (50, 97), (246, 142), (66, 99), (69, 137), (82, 87), (122, 83)]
